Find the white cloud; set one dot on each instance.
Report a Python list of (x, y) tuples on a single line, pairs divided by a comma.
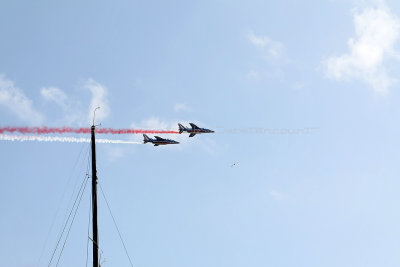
[(56, 95), (376, 33), (17, 102), (270, 49), (99, 99), (74, 111), (181, 107)]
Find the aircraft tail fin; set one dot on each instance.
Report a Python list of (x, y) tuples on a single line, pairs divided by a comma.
[(181, 128), (146, 139)]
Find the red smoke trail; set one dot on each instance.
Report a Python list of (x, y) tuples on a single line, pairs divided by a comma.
[(61, 130)]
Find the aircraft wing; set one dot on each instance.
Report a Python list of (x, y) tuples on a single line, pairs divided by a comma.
[(159, 138), (192, 134), (194, 126)]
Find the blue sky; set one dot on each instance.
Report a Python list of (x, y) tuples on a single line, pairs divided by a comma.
[(315, 185)]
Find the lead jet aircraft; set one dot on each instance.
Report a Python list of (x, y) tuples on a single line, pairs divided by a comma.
[(194, 130), (157, 141)]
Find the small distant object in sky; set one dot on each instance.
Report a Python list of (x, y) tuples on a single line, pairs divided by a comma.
[(194, 130), (234, 164), (157, 141)]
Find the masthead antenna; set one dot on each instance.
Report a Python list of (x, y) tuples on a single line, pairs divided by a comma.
[(94, 114)]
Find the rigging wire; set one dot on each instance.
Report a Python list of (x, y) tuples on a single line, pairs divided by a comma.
[(77, 181), (115, 224), (74, 211), (73, 218), (66, 223), (69, 203), (88, 232), (88, 165), (59, 204)]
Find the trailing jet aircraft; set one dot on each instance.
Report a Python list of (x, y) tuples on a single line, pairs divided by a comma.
[(157, 141), (194, 130)]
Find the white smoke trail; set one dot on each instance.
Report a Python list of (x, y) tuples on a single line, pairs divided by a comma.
[(23, 138)]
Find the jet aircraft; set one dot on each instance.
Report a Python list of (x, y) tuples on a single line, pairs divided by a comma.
[(194, 130), (157, 141)]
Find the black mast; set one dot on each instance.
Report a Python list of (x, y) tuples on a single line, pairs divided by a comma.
[(94, 200)]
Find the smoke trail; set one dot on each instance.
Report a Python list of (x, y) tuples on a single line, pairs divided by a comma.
[(61, 130), (22, 138)]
